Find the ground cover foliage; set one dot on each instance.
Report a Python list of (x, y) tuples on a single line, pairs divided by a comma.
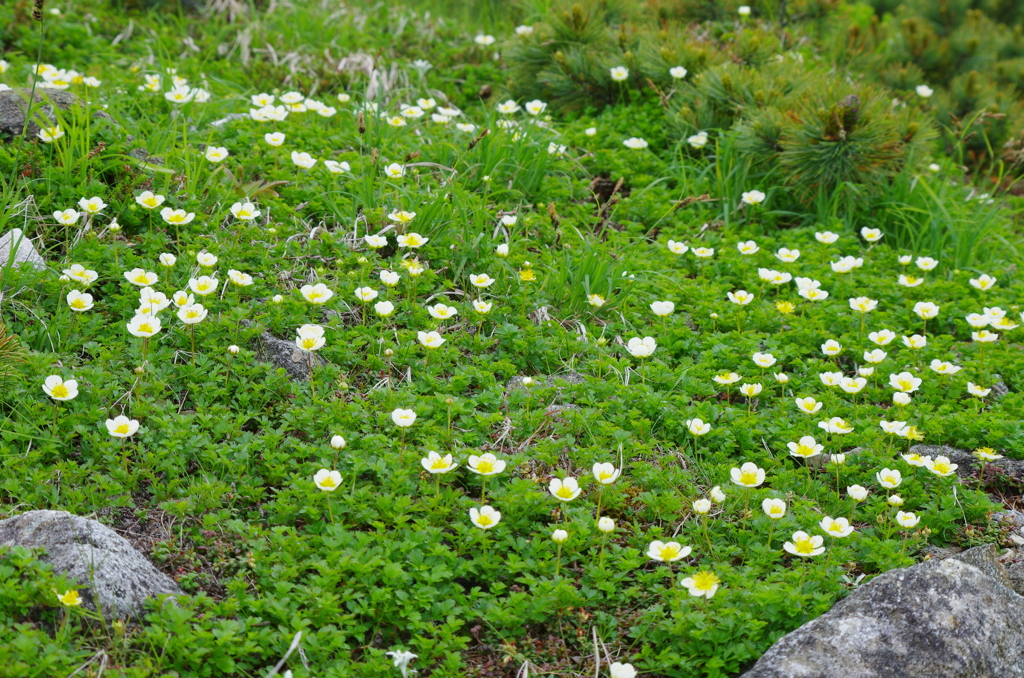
[(527, 180)]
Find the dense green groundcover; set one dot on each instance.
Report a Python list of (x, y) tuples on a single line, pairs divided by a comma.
[(217, 485)]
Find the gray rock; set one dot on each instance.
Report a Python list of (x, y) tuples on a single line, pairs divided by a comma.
[(285, 354), (16, 248), (955, 618), (1015, 571), (14, 104), (104, 564)]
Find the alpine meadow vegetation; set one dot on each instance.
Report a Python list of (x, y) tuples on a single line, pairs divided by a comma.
[(500, 339)]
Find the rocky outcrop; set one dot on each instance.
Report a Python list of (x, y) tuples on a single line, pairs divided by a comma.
[(955, 618), (286, 355), (14, 105), (108, 570), (17, 249)]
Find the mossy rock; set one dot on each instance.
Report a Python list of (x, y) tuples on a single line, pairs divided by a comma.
[(14, 106)]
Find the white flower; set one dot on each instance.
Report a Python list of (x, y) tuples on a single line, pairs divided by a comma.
[(366, 294), (667, 552), (764, 360), (697, 427), (605, 524), (395, 171), (743, 10), (605, 473), (740, 297), (805, 448), (384, 308), (716, 494), (677, 72), (837, 527), (482, 307), (774, 508), (787, 255), (244, 211), (871, 234), (430, 339), (677, 247), (698, 140), (943, 367), (831, 347), (882, 337), (983, 282), (619, 73), (747, 475), (890, 479), (635, 143), (508, 107), (863, 304), (826, 237), (924, 91), (303, 160), (804, 545), (564, 490), (977, 391), (328, 481), (215, 153), (641, 348), (754, 197), (904, 382), (524, 30), (403, 418), (484, 40), (926, 310), (535, 107), (335, 167)]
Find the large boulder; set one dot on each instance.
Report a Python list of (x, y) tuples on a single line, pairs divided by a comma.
[(108, 570), (956, 618), (14, 104), (17, 249)]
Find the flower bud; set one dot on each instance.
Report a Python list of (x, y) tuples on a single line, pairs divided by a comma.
[(559, 536), (606, 524), (277, 299), (388, 353), (338, 443), (233, 350)]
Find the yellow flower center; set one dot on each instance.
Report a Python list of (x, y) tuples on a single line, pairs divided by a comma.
[(775, 510), (150, 202), (484, 466), (804, 545), (889, 479), (308, 343), (705, 581), (941, 467), (60, 391), (668, 552), (835, 527), (439, 463), (484, 519), (605, 475), (142, 278), (77, 303), (327, 482), (145, 327), (748, 478), (564, 492), (804, 450), (122, 429)]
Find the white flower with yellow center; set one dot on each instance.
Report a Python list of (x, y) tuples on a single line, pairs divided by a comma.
[(740, 297), (144, 326), (756, 197), (907, 519), (909, 280), (81, 274), (321, 294), (836, 425), (434, 463), (863, 304), (983, 282), (826, 237), (486, 464), (926, 310), (57, 388), (831, 347), (748, 475), (79, 302), (852, 385), (366, 294), (482, 307), (50, 134), (239, 278), (68, 217), (485, 518), (857, 493), (411, 240), (564, 490), (303, 160), (813, 294), (890, 479), (405, 419), (748, 247), (941, 467), (701, 585), (662, 308), (787, 255), (703, 252), (481, 280), (677, 247), (871, 234), (915, 341), (394, 170), (943, 367), (619, 73), (667, 552), (140, 277), (326, 480), (750, 390), (984, 336), (442, 311), (91, 205), (808, 405), (836, 527), (203, 285), (702, 506), (805, 448), (882, 337), (244, 211), (726, 378), (904, 382), (192, 314), (804, 545), (430, 339), (764, 360), (774, 508), (178, 217), (595, 300), (606, 473), (926, 263), (122, 427)]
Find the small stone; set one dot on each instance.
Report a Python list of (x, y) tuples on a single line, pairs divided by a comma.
[(16, 243), (286, 355), (103, 563)]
